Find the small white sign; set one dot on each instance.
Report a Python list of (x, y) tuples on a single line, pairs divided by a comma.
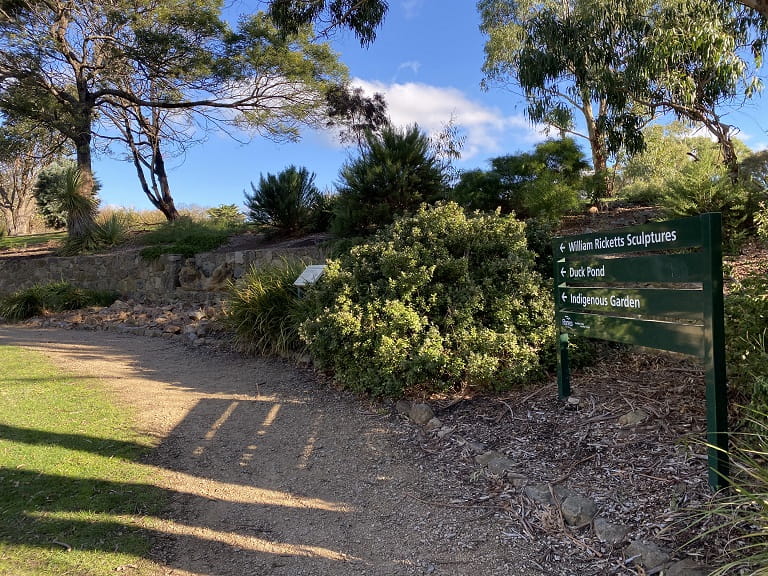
[(310, 275)]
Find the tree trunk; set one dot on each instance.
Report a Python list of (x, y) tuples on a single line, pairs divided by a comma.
[(603, 184), (81, 222), (167, 205)]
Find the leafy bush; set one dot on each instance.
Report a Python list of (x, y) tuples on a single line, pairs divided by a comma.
[(746, 336), (435, 301), (397, 171), (285, 201), (264, 310), (186, 237), (704, 187), (54, 297), (761, 221), (226, 215)]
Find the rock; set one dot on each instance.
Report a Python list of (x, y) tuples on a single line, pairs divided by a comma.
[(486, 457), (578, 510), (403, 407), (612, 534), (647, 554), (433, 424), (686, 567), (421, 413), (632, 418), (517, 480), (476, 447), (500, 465), (538, 493), (220, 277)]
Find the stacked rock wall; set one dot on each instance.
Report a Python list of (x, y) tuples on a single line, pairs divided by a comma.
[(170, 277)]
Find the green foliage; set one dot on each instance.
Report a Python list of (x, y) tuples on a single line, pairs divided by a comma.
[(54, 297), (396, 172), (705, 186), (761, 220), (107, 232), (746, 330), (264, 310), (480, 190), (226, 215), (49, 192), (544, 184), (436, 301), (184, 236), (285, 201), (739, 516)]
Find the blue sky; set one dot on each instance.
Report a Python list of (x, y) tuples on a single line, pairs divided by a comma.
[(427, 60)]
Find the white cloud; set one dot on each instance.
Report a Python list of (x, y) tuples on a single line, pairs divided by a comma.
[(412, 65), (488, 131), (412, 8)]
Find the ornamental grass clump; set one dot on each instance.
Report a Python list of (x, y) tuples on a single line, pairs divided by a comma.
[(437, 301), (53, 297), (735, 522), (264, 310)]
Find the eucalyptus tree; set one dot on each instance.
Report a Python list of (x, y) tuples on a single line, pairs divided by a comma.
[(362, 17), (63, 64), (567, 57), (24, 151), (617, 64), (694, 58)]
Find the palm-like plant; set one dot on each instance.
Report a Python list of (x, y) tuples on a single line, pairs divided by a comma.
[(284, 201), (397, 171), (79, 208)]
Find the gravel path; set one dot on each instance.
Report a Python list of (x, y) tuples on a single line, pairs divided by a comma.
[(273, 472)]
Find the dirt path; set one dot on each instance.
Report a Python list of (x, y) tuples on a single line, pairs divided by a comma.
[(272, 472)]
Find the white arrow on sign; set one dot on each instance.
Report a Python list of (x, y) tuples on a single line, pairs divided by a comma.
[(564, 296), (562, 271), (562, 247)]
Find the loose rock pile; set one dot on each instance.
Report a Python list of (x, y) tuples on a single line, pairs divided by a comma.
[(196, 324)]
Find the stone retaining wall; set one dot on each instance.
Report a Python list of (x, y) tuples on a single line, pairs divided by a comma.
[(170, 277)]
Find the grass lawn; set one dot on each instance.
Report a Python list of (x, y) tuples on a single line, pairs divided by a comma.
[(14, 242), (74, 496)]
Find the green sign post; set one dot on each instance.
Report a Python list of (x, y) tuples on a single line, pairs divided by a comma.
[(658, 285)]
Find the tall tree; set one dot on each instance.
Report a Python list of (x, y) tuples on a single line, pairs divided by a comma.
[(62, 62), (24, 151), (694, 57), (618, 63), (362, 17)]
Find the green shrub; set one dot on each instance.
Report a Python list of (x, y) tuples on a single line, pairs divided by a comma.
[(397, 171), (186, 237), (226, 215), (436, 301), (701, 188), (22, 305), (746, 330), (264, 310), (107, 232), (284, 201), (54, 297)]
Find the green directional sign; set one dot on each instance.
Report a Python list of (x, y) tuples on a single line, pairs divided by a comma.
[(669, 235), (657, 302), (677, 268), (659, 285)]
